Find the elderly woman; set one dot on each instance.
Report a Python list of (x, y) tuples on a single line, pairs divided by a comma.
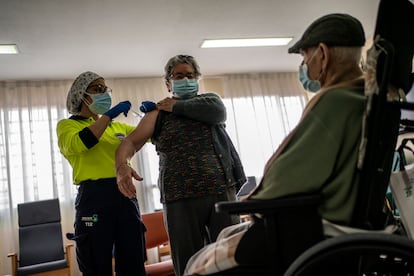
[(105, 219), (198, 163)]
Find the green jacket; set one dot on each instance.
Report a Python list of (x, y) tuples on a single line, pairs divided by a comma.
[(322, 156)]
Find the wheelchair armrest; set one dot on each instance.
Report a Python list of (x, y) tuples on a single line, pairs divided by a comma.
[(268, 206), (284, 220)]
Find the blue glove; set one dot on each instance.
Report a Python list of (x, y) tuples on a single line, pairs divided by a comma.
[(147, 106), (122, 107)]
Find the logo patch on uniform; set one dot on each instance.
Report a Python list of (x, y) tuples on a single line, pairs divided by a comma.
[(120, 136), (89, 221)]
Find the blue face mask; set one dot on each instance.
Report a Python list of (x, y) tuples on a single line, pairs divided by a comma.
[(307, 83), (101, 102), (185, 88)]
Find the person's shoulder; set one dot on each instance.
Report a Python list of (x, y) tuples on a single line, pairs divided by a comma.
[(61, 123), (68, 124), (345, 94), (342, 100), (69, 120), (72, 120), (209, 94)]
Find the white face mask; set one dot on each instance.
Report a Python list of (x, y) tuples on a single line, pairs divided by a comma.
[(307, 83)]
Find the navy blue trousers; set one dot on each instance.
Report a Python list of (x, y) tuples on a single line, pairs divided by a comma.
[(106, 224)]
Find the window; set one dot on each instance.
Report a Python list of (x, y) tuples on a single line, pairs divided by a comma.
[(31, 165), (258, 125)]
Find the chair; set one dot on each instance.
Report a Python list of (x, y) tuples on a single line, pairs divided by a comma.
[(41, 249), (292, 251), (157, 237)]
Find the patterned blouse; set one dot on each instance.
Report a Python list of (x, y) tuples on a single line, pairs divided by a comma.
[(189, 166)]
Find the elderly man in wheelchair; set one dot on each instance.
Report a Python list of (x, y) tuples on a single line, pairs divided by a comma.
[(314, 185)]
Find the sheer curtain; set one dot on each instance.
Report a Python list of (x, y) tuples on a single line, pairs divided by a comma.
[(31, 165), (262, 108)]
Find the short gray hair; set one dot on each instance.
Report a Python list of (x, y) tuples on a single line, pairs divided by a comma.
[(179, 59), (344, 55)]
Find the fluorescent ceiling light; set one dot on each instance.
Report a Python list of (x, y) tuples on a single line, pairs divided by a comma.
[(245, 42), (8, 49)]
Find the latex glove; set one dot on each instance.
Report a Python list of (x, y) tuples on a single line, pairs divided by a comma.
[(147, 106), (122, 107)]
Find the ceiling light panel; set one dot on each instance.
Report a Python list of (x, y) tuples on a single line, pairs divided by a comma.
[(245, 42), (8, 49)]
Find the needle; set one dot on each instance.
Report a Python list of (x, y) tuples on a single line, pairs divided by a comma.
[(136, 113)]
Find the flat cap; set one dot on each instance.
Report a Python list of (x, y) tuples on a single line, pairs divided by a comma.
[(336, 29)]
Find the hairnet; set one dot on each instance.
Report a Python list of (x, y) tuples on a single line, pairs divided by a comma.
[(78, 89)]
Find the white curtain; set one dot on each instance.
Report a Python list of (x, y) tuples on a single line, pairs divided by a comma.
[(262, 108), (31, 166)]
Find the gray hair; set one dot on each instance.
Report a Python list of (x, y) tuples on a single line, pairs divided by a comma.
[(179, 59), (345, 55)]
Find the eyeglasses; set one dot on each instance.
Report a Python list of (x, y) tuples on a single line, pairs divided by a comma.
[(180, 76), (98, 89)]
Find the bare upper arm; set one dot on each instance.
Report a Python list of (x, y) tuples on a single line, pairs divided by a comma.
[(144, 130)]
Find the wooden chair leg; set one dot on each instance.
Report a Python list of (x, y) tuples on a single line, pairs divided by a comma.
[(68, 254), (13, 257)]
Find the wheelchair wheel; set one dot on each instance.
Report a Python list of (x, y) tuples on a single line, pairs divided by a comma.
[(357, 254)]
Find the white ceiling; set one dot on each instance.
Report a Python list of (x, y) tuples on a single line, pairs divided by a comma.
[(58, 39)]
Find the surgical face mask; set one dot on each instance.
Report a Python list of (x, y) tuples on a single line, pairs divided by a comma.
[(101, 102), (307, 83), (185, 88)]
